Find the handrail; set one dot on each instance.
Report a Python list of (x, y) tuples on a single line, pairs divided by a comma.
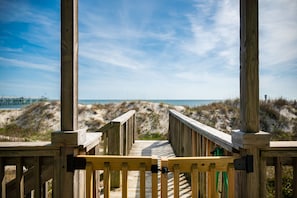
[(124, 117), (218, 137)]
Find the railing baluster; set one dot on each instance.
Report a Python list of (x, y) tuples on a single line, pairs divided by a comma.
[(194, 180), (176, 173), (142, 180), (231, 185), (124, 180), (19, 178), (89, 180), (294, 177), (155, 178), (164, 178), (37, 172), (278, 177), (2, 178), (106, 176), (212, 181)]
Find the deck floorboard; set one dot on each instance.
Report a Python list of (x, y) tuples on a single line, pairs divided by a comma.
[(149, 148)]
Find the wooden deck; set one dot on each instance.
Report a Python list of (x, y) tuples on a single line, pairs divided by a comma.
[(149, 148)]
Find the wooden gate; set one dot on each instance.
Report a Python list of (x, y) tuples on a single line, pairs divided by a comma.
[(202, 171)]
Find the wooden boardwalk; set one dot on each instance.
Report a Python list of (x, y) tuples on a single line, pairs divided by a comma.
[(152, 148)]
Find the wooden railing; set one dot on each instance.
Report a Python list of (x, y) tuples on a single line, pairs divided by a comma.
[(278, 155), (196, 166), (120, 163), (193, 165), (31, 169), (189, 137), (33, 166), (119, 134), (118, 138)]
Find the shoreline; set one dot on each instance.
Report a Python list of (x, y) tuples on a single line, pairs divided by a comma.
[(174, 102)]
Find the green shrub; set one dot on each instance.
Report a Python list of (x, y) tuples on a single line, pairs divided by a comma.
[(153, 136)]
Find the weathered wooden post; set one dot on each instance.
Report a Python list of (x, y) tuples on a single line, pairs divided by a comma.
[(249, 139), (68, 139)]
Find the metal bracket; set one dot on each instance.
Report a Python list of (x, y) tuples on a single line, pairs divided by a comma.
[(154, 168), (245, 163), (74, 163), (164, 170)]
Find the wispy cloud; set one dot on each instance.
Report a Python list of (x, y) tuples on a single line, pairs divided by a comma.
[(43, 64), (150, 49), (278, 34)]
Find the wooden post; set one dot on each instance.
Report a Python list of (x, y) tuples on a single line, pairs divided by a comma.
[(69, 66), (2, 178), (69, 138), (249, 140), (115, 147), (249, 66), (294, 177)]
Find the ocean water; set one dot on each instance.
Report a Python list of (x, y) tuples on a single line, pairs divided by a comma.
[(190, 103)]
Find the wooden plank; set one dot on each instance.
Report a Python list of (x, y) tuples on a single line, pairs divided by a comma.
[(124, 180), (19, 179), (278, 178), (37, 176), (89, 180), (176, 172), (263, 176), (203, 163), (106, 176), (2, 178), (231, 184), (194, 180), (279, 153), (295, 177), (115, 147), (154, 178), (212, 181), (116, 161), (115, 136), (142, 169), (57, 176), (25, 145), (164, 178), (92, 140), (124, 118), (283, 144)]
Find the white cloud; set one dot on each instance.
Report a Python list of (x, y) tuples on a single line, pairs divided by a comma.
[(31, 63), (216, 32), (152, 49), (278, 34)]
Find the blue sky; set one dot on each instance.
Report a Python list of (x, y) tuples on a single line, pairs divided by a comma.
[(146, 49)]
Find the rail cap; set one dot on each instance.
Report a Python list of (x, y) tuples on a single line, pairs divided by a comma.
[(123, 118), (283, 144)]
